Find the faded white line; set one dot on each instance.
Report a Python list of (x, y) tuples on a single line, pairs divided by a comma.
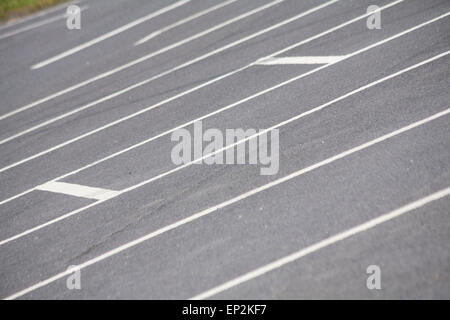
[(183, 21), (322, 244), (36, 25), (109, 34), (223, 205), (232, 105), (299, 116), (78, 190), (299, 60), (146, 57)]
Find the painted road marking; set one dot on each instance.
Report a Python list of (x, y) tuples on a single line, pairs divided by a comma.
[(148, 56), (299, 60), (322, 244), (113, 95), (108, 35), (171, 98), (295, 118), (230, 106), (214, 209), (78, 190), (177, 44), (183, 21)]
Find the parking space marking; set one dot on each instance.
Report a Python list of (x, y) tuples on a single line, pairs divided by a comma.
[(322, 244), (109, 34), (229, 106), (157, 105), (186, 64), (132, 244), (299, 60), (77, 190), (183, 21), (215, 208), (261, 132)]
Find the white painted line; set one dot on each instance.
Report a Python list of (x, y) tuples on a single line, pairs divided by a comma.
[(17, 196), (77, 190), (225, 204), (109, 97), (183, 21), (277, 53), (109, 34), (299, 60), (146, 57), (299, 116), (322, 244), (36, 25), (139, 144), (180, 94)]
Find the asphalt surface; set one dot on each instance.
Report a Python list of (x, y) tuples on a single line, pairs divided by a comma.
[(178, 232)]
